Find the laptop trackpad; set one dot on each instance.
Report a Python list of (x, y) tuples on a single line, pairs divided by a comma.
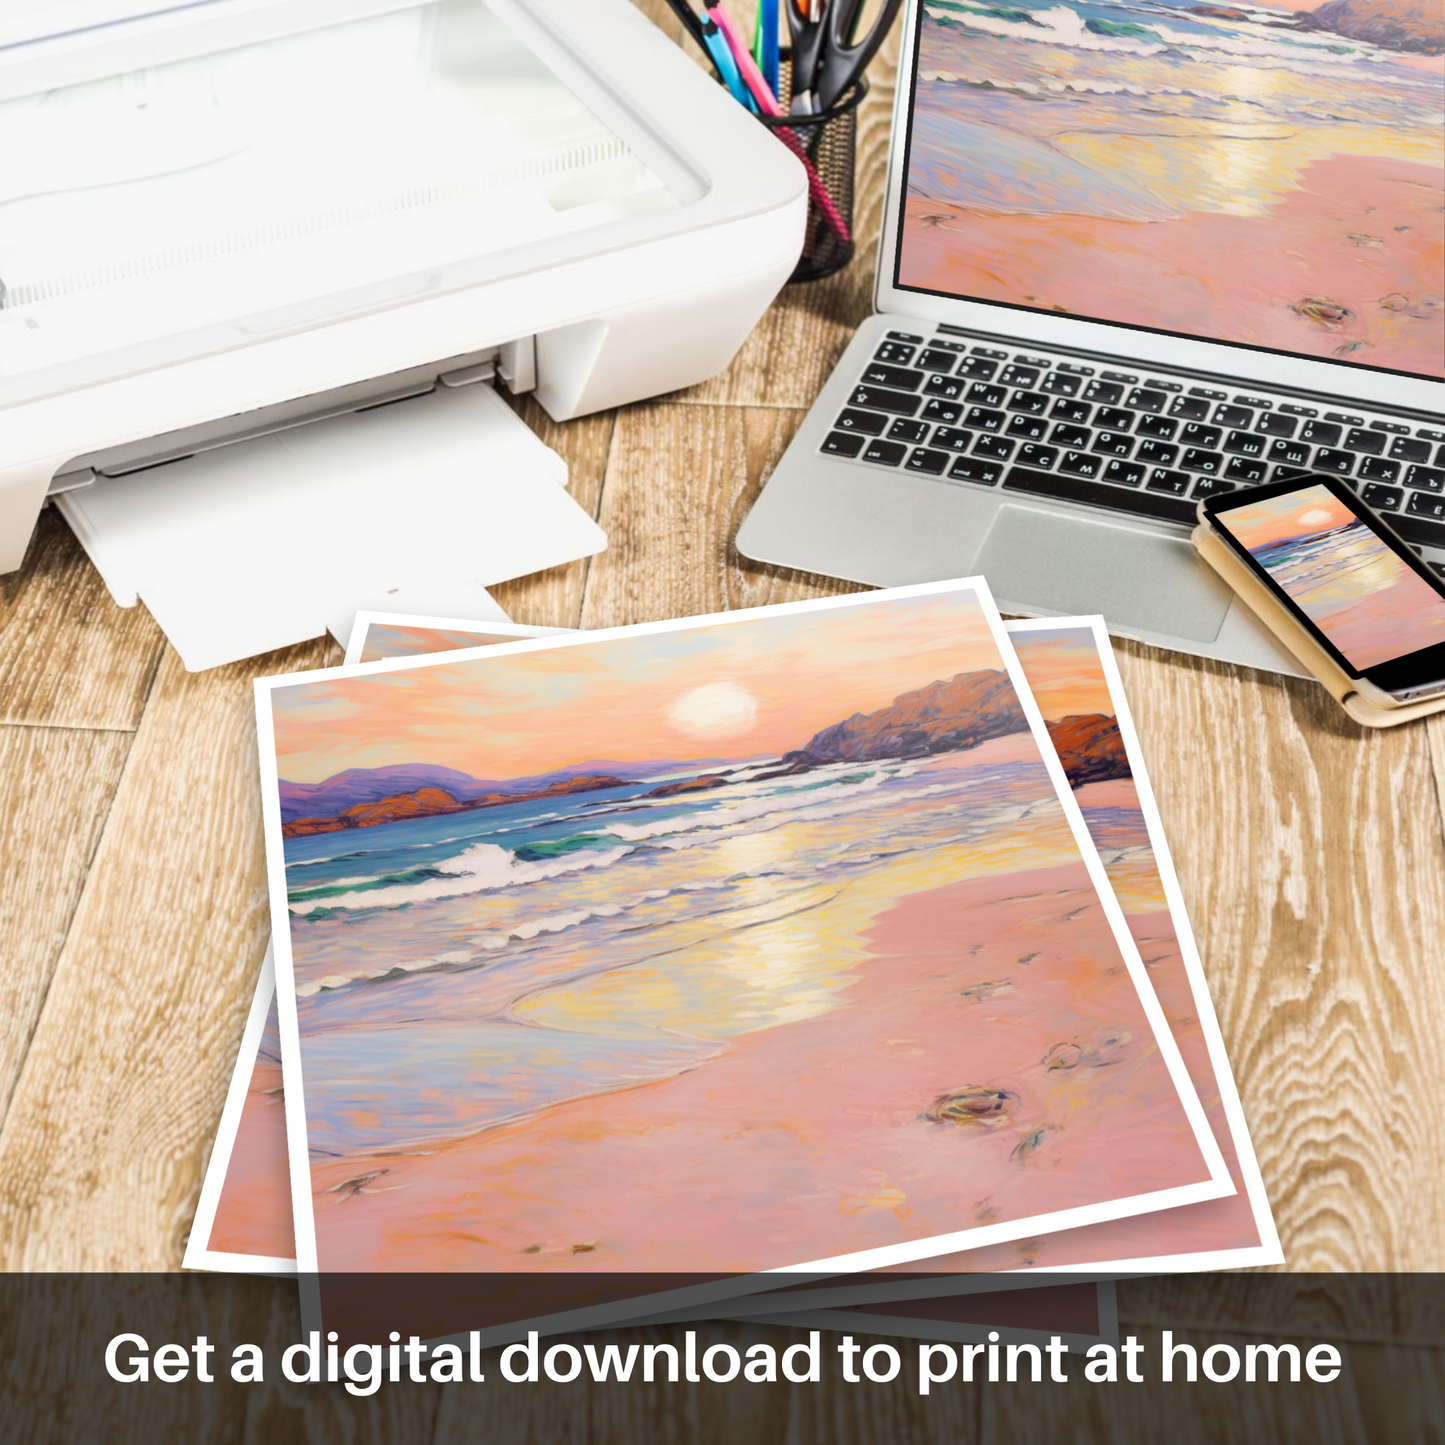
[(1070, 565)]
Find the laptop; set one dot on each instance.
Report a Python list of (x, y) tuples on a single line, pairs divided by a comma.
[(1133, 254)]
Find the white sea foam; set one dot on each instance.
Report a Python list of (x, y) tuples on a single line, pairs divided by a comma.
[(480, 869)]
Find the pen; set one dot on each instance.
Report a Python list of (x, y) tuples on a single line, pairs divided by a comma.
[(765, 42), (723, 57), (688, 18)]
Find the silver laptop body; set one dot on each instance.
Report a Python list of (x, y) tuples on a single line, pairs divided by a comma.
[(1101, 526)]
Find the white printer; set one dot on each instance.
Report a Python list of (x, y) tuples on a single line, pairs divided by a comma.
[(232, 230)]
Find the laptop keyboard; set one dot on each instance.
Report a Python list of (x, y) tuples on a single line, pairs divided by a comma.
[(1143, 445)]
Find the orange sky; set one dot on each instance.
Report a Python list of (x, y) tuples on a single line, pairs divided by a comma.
[(1311, 509), (510, 716), (1063, 670)]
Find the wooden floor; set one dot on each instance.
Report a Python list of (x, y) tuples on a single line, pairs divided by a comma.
[(133, 913)]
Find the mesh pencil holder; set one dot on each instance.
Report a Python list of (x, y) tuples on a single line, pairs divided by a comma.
[(826, 143)]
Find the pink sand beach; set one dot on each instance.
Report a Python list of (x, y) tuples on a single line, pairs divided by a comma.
[(812, 1139), (1363, 233)]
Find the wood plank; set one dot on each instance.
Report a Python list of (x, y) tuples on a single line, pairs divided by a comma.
[(1355, 1409), (830, 1412), (1313, 864), (102, 1149), (56, 786), (679, 482), (554, 598), (69, 657)]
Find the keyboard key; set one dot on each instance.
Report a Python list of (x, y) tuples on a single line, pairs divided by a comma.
[(937, 410), (1427, 479), (1440, 456), (1099, 494), (1142, 398), (1107, 392), (1393, 427), (877, 374), (1371, 443), (1209, 395), (886, 454), (1081, 464), (1288, 474), (1430, 434), (1382, 498), (1075, 411), (1245, 469), (1210, 487), (1060, 383), (1112, 444), (904, 430), (1163, 480), (1407, 449), (971, 469), (1124, 474), (948, 387), (1195, 435), (955, 439), (1293, 410), (1128, 378), (1377, 469), (1016, 375), (1271, 424), (1030, 427), (1035, 403), (1423, 505), (1245, 444), (977, 368), (1189, 408), (957, 347), (1038, 361), (877, 398), (995, 447), (1199, 460), (1344, 418), (1162, 427), (989, 351), (1077, 370), (1235, 416), (905, 336), (924, 459), (1113, 418), (895, 353), (1322, 433), (985, 395), (1292, 454), (1070, 436), (1041, 457), (982, 419), (843, 444), (1162, 385), (1156, 454), (935, 360), (1418, 529), (1331, 459), (867, 422)]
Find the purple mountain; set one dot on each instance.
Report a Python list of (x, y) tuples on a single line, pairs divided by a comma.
[(371, 785)]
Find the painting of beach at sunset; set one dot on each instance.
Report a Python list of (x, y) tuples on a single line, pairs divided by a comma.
[(1268, 174), (1366, 599), (665, 951)]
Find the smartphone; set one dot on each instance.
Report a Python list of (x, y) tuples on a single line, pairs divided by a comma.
[(1344, 576)]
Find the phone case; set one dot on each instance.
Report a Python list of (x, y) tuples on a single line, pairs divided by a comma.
[(1258, 598)]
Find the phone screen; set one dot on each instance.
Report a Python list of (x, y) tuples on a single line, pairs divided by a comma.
[(1368, 602)]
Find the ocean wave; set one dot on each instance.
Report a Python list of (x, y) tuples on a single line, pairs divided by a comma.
[(480, 869), (1057, 25)]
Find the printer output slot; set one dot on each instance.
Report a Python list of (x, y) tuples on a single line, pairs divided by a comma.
[(514, 363)]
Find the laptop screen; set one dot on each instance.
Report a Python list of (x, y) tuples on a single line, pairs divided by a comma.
[(1265, 175)]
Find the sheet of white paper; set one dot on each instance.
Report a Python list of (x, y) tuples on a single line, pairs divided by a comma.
[(416, 506)]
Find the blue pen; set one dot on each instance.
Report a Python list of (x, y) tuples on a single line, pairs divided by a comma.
[(768, 58), (727, 67)]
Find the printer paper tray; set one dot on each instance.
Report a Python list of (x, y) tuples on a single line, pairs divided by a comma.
[(416, 506)]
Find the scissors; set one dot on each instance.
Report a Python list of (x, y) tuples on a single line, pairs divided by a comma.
[(828, 55)]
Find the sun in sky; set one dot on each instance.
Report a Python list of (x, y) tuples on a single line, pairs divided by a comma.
[(715, 710)]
